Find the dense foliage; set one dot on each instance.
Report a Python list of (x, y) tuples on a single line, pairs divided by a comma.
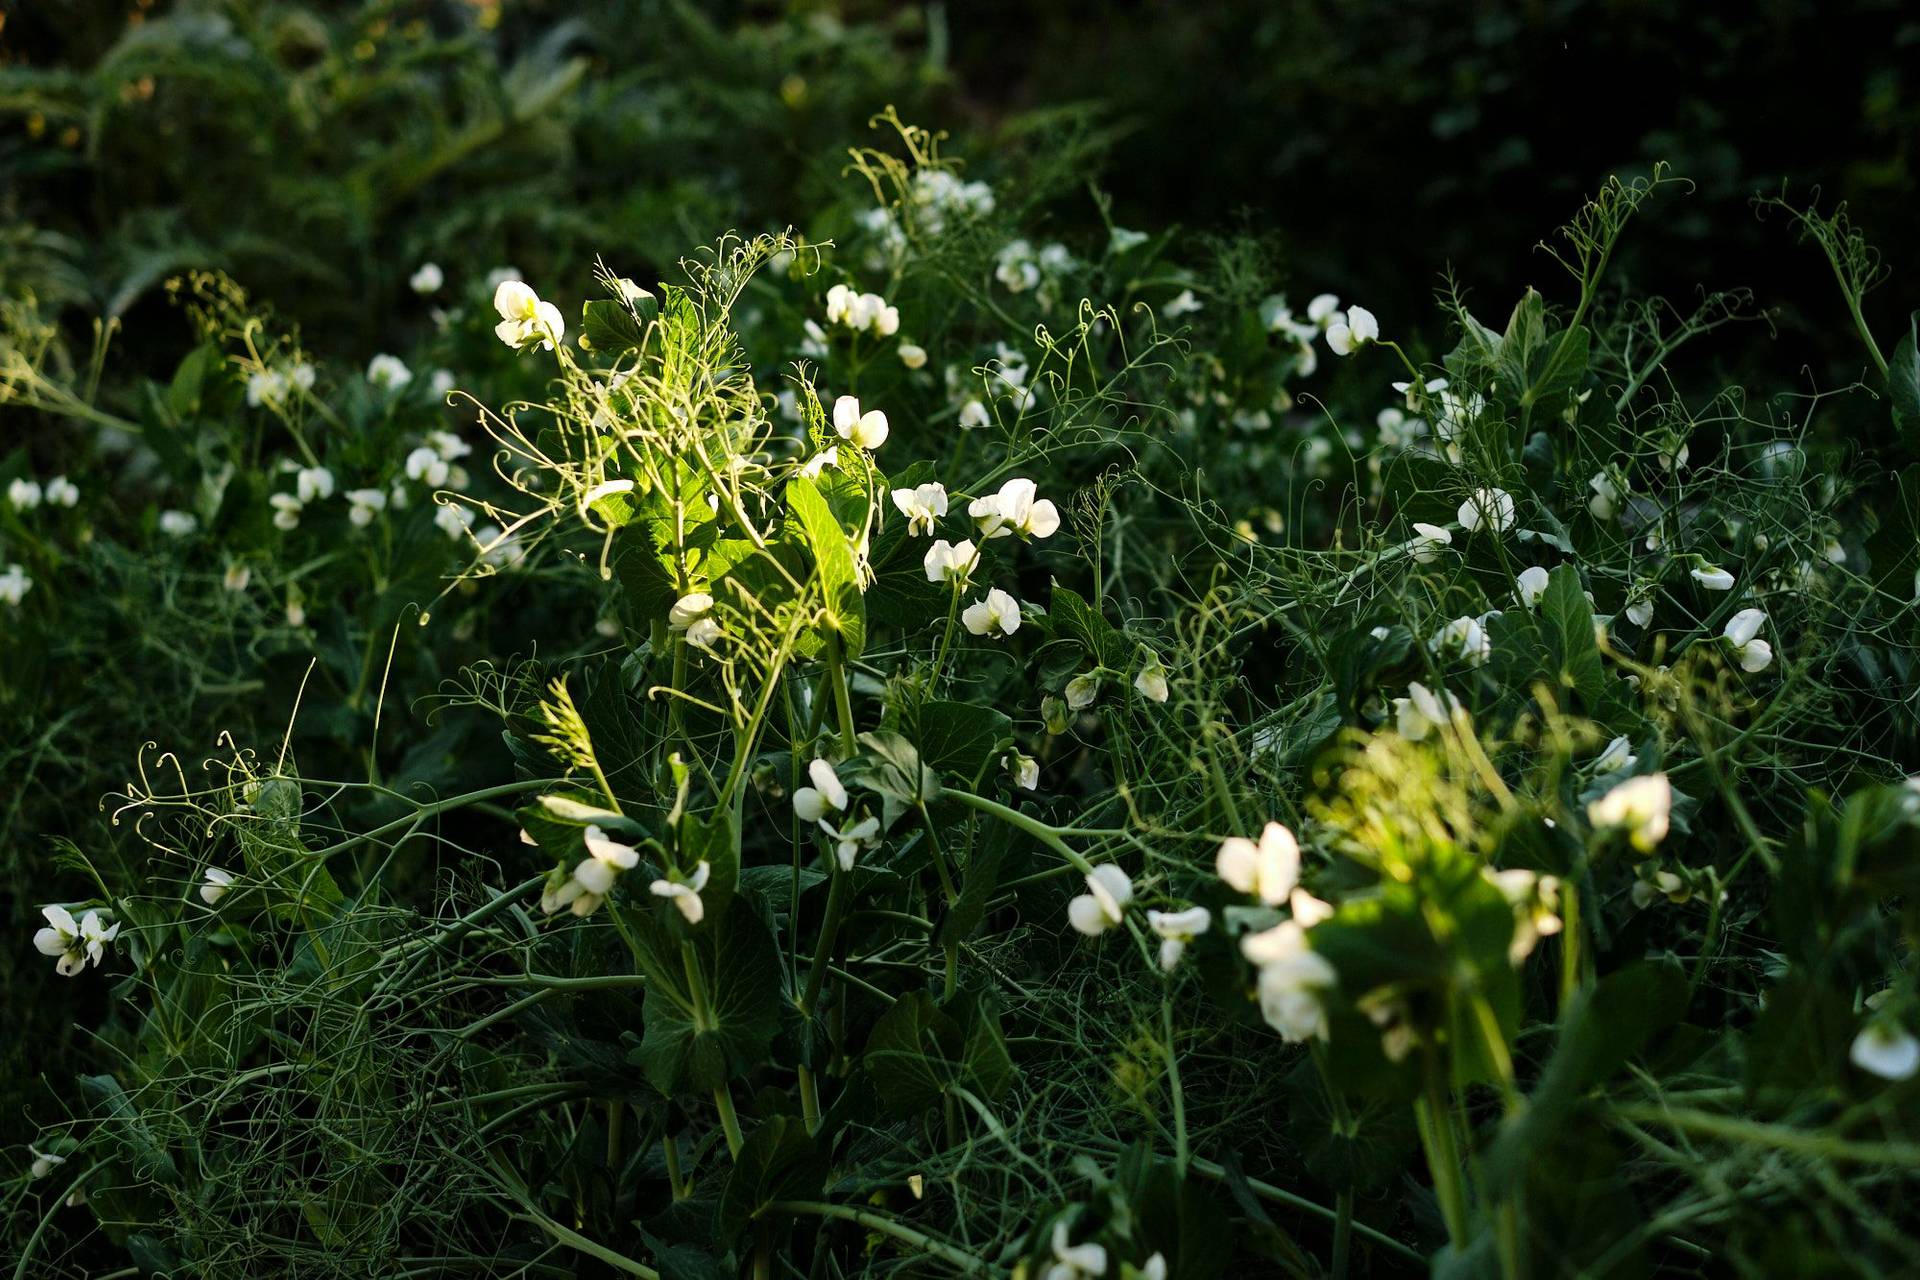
[(691, 677)]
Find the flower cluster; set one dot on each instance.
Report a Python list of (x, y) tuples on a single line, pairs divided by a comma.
[(74, 943), (827, 805)]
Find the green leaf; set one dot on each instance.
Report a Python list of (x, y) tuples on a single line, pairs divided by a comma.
[(683, 1051), (1567, 620), (834, 562), (1903, 384), (778, 1161), (611, 328), (1070, 617), (1539, 365), (961, 739), (918, 1051)]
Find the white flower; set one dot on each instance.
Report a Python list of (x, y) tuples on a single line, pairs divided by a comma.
[(1308, 910), (1176, 930), (62, 492), (849, 841), (923, 506), (44, 1163), (425, 466), (1322, 308), (14, 585), (1617, 755), (1017, 268), (302, 376), (1292, 976), (1608, 494), (364, 504), (689, 609), (950, 562), (427, 279), (286, 510), (1713, 578), (686, 896), (524, 318), (604, 849), (1531, 584), (218, 881), (1152, 681), (1073, 1261), (1119, 239), (24, 494), (1014, 510), (1422, 711), (1427, 541), (866, 430), (1025, 770), (819, 462), (1268, 870), (1743, 636), (703, 633), (1640, 612), (1356, 331), (1464, 637), (973, 414), (1491, 507), (827, 794), (237, 576), (440, 382), (1642, 807), (997, 615), (389, 373), (1082, 690), (912, 355), (177, 524), (266, 386), (74, 944), (1183, 303), (1104, 904), (448, 445), (310, 484), (1886, 1049), (454, 519)]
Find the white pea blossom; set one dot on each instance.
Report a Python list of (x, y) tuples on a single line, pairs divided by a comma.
[(14, 585), (177, 524), (689, 609), (1743, 637), (74, 943), (286, 510), (862, 312), (215, 885), (849, 840), (524, 318), (427, 279), (389, 373), (440, 382), (1642, 807), (237, 576), (1104, 904), (923, 506), (593, 877), (425, 466), (826, 795), (912, 355), (686, 896), (1617, 756), (1017, 267), (819, 462), (866, 430), (1464, 638), (1608, 494), (1344, 337), (973, 415), (1640, 612), (1014, 509), (1152, 681), (951, 562), (24, 494), (1074, 1261), (1886, 1049), (1422, 711), (1176, 930), (1292, 978), (454, 519), (1713, 578), (703, 633), (1181, 304), (1082, 691), (1427, 542), (62, 492), (1025, 770), (1268, 870), (997, 615), (266, 386), (364, 504), (1323, 309), (1531, 585), (1492, 508), (44, 1163), (311, 484)]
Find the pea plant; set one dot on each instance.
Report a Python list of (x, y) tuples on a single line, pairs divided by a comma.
[(1027, 787)]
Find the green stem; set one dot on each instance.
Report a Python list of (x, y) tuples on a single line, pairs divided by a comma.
[(886, 1226), (1435, 1117)]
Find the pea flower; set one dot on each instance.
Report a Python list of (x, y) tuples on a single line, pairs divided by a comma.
[(454, 519), (425, 466), (310, 484), (1640, 806), (524, 318), (1014, 510), (62, 492), (1292, 977), (1176, 930), (1531, 585), (1104, 904), (1886, 1049), (24, 494), (427, 279), (1617, 755), (1492, 508), (218, 881), (1268, 870), (1152, 681), (363, 505), (593, 877), (1422, 711), (1464, 637), (1427, 542), (389, 373), (850, 840), (1712, 577), (703, 633), (14, 585), (286, 510), (1025, 770), (950, 562), (912, 355), (1073, 1261), (1082, 690), (689, 609), (237, 576), (44, 1163), (827, 794), (686, 896), (997, 615), (177, 524), (1323, 309), (1181, 304), (1743, 636), (1344, 337), (74, 943), (1640, 612), (973, 414), (923, 506), (1653, 882), (866, 430), (1608, 494)]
